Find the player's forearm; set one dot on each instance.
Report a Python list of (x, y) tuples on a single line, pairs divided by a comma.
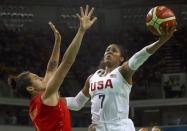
[(69, 56), (140, 57), (152, 48), (54, 59), (72, 50)]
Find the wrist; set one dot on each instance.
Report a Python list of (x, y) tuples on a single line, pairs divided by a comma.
[(162, 40), (58, 39), (81, 30)]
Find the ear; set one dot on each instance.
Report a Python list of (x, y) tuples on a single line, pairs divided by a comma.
[(122, 59), (29, 88)]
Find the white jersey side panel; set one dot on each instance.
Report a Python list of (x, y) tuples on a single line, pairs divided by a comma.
[(109, 97)]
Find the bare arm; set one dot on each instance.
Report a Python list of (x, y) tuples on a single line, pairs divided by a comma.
[(85, 89), (54, 59), (76, 103), (152, 48), (49, 97), (128, 68)]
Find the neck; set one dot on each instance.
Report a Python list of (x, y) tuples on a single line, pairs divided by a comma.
[(34, 93), (109, 69)]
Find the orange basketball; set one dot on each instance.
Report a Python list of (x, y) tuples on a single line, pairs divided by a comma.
[(160, 17)]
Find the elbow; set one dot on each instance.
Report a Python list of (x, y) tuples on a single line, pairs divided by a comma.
[(77, 109)]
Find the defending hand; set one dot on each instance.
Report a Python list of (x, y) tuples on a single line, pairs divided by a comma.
[(86, 18), (55, 31)]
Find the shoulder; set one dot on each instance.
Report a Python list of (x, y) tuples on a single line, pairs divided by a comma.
[(99, 72), (88, 79), (126, 72), (35, 99)]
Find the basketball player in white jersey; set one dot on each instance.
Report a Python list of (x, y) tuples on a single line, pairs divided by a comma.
[(109, 88)]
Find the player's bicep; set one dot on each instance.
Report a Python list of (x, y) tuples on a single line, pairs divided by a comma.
[(48, 76), (126, 72), (85, 89)]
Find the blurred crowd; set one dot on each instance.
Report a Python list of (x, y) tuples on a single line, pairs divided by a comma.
[(28, 50)]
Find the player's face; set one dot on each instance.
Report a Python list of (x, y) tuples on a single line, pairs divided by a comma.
[(37, 82), (112, 55)]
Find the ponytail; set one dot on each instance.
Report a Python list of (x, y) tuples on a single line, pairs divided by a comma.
[(19, 84), (12, 82)]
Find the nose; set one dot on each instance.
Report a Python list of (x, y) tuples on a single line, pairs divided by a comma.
[(109, 52)]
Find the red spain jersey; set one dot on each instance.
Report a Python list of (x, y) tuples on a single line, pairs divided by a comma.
[(49, 118)]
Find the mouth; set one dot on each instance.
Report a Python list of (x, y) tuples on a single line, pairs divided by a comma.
[(108, 56)]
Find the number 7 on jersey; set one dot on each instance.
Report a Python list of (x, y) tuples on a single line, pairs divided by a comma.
[(102, 97)]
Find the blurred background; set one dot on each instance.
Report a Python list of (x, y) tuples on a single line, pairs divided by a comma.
[(159, 94)]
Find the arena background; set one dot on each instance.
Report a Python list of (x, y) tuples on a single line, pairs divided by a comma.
[(159, 94)]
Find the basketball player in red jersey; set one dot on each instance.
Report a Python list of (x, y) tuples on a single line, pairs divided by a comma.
[(109, 87), (47, 111)]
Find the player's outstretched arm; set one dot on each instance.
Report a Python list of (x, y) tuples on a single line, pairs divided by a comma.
[(76, 103), (54, 59), (50, 95), (128, 68)]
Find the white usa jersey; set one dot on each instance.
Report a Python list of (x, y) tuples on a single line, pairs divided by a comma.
[(109, 97)]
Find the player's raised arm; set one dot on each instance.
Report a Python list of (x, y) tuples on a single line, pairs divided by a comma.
[(163, 25), (49, 96), (54, 59), (140, 57)]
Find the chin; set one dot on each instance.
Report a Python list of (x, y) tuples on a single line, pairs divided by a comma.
[(108, 64)]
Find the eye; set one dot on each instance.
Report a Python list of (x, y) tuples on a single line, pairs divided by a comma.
[(107, 49), (114, 50)]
